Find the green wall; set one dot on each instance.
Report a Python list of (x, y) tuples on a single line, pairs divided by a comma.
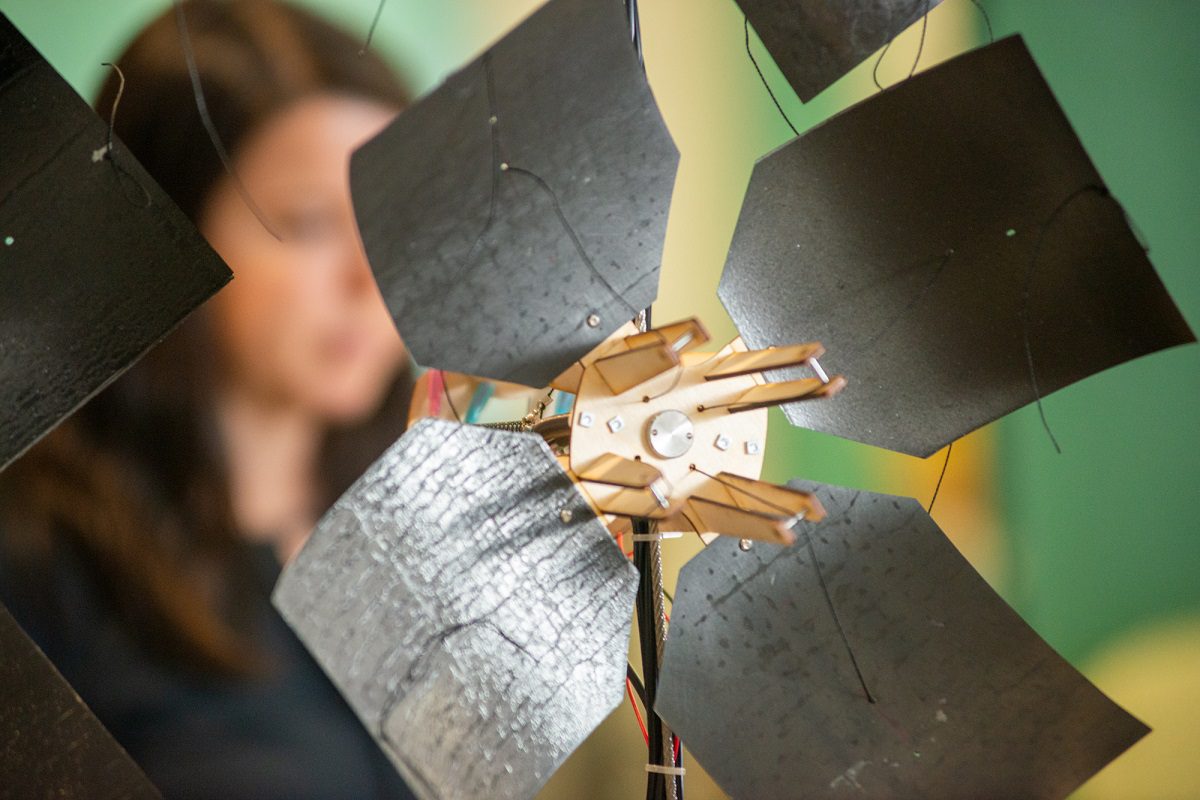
[(1106, 536)]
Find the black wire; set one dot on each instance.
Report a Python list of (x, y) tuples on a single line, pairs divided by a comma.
[(920, 49), (655, 782), (941, 477), (210, 128), (816, 568), (986, 19), (636, 681), (570, 230), (371, 31), (449, 399), (1037, 251), (763, 78)]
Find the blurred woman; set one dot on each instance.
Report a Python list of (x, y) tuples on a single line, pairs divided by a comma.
[(139, 542)]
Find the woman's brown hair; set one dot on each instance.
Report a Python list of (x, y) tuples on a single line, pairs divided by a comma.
[(135, 483)]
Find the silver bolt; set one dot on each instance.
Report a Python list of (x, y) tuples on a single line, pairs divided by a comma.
[(722, 442), (744, 545), (504, 166), (753, 448), (565, 515), (615, 424), (593, 320), (586, 420), (492, 120)]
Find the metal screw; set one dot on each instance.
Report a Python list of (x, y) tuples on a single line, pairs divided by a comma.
[(593, 320), (586, 420), (744, 545), (722, 442), (492, 120), (565, 515), (615, 424), (504, 166)]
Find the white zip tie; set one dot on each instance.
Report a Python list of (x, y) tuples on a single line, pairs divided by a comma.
[(661, 770)]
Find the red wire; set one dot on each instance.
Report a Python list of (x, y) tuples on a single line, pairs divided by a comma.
[(676, 738), (636, 713)]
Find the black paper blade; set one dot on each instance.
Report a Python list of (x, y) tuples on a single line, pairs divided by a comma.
[(921, 234), (509, 249), (51, 745), (470, 607), (815, 42), (96, 263), (969, 701)]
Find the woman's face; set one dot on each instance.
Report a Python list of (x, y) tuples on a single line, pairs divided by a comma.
[(302, 325)]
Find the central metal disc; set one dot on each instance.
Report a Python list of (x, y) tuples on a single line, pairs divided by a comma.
[(670, 433)]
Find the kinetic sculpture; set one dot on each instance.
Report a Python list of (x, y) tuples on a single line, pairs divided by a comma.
[(467, 594), (868, 655)]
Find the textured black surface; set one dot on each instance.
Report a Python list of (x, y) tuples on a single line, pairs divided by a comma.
[(815, 42), (96, 263), (902, 235), (470, 607), (494, 271), (970, 702), (50, 743)]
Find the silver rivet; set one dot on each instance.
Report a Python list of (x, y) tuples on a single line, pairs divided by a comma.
[(586, 420), (744, 545), (615, 424), (593, 320), (722, 442), (565, 515), (504, 166), (492, 120), (753, 448)]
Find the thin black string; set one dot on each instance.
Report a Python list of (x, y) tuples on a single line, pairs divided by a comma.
[(941, 477), (494, 136), (763, 78), (202, 107), (449, 399), (986, 19), (912, 303), (499, 166), (121, 175), (920, 49), (562, 218), (812, 553), (1037, 251), (371, 31)]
